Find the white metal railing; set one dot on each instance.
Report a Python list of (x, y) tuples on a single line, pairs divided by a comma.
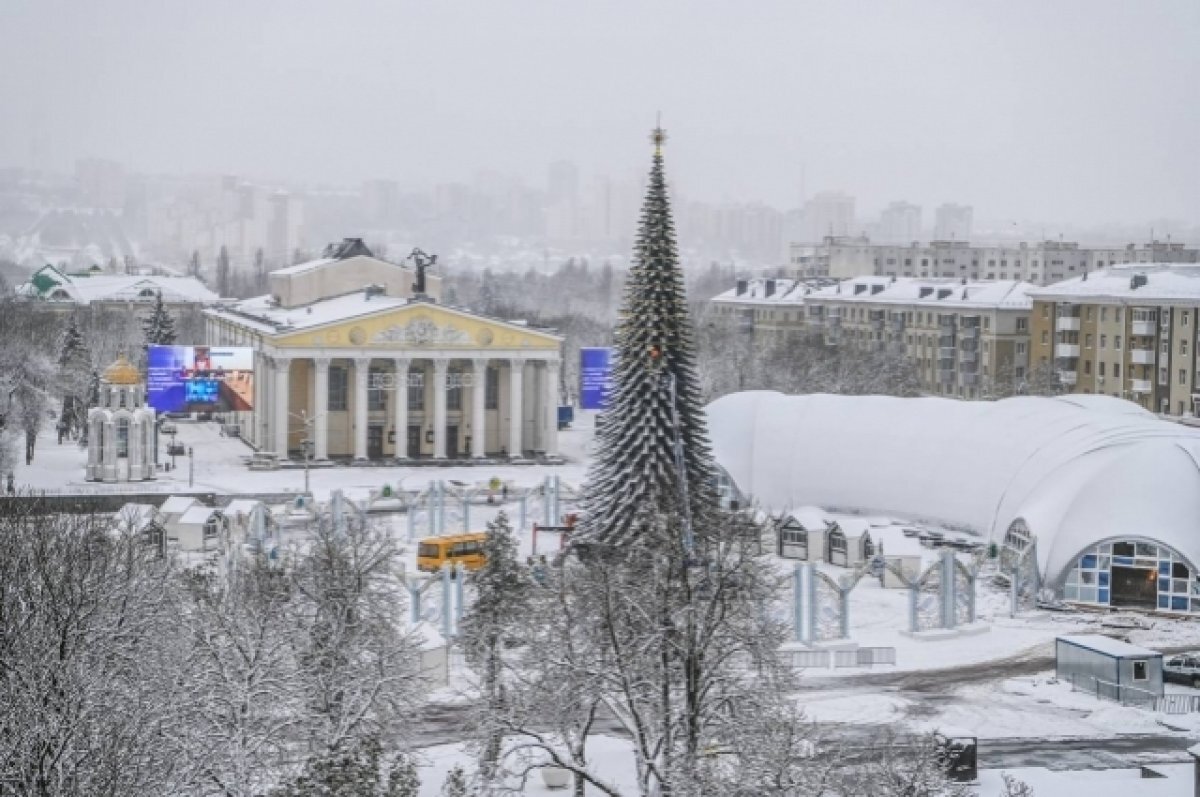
[(1117, 693)]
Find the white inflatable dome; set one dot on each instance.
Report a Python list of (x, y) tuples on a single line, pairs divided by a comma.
[(1078, 470)]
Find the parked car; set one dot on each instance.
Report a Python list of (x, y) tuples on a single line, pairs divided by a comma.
[(1183, 669)]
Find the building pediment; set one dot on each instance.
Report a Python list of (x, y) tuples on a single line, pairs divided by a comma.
[(420, 326)]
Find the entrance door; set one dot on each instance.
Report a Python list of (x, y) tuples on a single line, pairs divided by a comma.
[(374, 442), (1134, 587), (452, 441), (414, 442)]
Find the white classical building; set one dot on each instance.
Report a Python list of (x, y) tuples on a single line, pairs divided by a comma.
[(121, 434), (349, 353)]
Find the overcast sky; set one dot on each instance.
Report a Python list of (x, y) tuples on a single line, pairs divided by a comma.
[(1081, 112)]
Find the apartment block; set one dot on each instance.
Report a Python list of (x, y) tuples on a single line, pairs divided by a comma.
[(765, 307), (967, 339), (1042, 263), (1128, 331)]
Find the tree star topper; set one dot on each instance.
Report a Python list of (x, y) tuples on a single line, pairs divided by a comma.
[(658, 137)]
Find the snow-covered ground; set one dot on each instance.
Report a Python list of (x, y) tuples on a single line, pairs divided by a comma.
[(219, 466), (981, 695)]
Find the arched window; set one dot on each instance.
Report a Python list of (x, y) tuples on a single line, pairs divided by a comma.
[(123, 437), (146, 293), (121, 396)]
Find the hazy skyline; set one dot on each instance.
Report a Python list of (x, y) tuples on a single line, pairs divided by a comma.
[(1079, 112)]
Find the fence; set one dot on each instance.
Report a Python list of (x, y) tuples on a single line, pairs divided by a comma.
[(858, 657), (1117, 693), (1178, 704)]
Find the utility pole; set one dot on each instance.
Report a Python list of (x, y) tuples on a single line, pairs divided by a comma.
[(191, 469)]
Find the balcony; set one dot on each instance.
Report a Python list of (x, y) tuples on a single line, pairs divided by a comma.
[(970, 333), (946, 376), (1066, 323), (1141, 356), (968, 356), (1066, 350), (946, 341), (1067, 377), (970, 379), (1140, 386), (946, 352), (1144, 328)]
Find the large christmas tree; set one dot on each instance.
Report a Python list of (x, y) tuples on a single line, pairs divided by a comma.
[(652, 446)]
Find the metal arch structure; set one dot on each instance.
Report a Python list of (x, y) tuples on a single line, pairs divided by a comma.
[(442, 606), (943, 596)]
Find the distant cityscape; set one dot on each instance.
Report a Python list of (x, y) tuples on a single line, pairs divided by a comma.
[(106, 215)]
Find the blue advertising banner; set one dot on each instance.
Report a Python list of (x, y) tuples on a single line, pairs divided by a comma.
[(200, 378), (596, 367)]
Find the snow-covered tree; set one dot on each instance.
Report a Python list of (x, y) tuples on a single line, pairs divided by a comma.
[(74, 376), (358, 665), (159, 327), (87, 680), (246, 699), (194, 264), (456, 784), (502, 588), (652, 440)]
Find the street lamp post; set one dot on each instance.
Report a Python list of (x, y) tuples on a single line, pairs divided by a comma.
[(306, 445), (191, 469)]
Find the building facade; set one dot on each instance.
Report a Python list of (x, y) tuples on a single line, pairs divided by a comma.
[(967, 339), (1041, 263), (387, 372), (1127, 331)]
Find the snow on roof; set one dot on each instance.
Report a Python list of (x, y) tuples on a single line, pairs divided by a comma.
[(264, 313), (177, 504), (198, 515), (308, 265), (853, 527), (1077, 470), (999, 294), (812, 518), (1108, 646), (783, 291), (85, 289), (1163, 283)]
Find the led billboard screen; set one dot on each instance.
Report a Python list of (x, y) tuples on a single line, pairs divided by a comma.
[(200, 378), (595, 376)]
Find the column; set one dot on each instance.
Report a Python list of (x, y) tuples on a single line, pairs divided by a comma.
[(279, 423), (320, 419), (400, 409), (478, 396), (516, 378), (110, 451), (361, 368), (550, 397), (440, 366)]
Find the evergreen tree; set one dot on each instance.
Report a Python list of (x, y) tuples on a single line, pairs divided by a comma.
[(501, 603), (74, 374), (223, 272), (194, 264), (159, 327), (654, 408), (455, 784)]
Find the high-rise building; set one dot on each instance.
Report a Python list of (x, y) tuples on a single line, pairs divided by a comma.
[(900, 223), (953, 222), (829, 213), (381, 203)]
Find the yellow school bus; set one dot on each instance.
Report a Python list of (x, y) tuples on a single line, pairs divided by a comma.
[(464, 549)]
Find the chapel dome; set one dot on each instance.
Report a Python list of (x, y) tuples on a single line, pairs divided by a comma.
[(122, 372)]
